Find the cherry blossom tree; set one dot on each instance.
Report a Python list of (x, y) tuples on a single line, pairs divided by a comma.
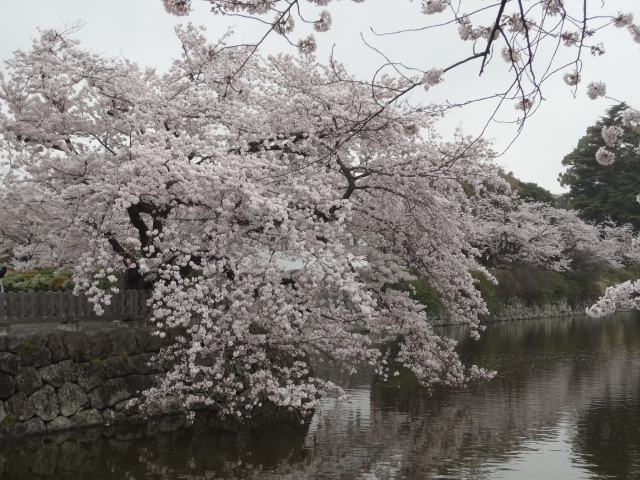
[(269, 209), (511, 233)]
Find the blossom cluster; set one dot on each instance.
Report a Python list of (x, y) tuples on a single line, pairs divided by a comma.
[(604, 156), (432, 77), (630, 117), (612, 134), (596, 89), (524, 104), (307, 45), (509, 55), (430, 7), (571, 79)]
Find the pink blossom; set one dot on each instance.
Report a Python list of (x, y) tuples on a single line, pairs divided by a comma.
[(524, 104), (323, 23), (604, 156), (571, 79), (284, 26), (554, 7), (623, 295), (177, 7), (623, 20), (430, 7), (307, 45), (509, 55), (635, 32), (570, 39), (630, 117), (612, 134), (596, 89), (432, 77)]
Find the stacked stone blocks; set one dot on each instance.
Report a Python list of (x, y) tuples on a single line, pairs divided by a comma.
[(63, 379)]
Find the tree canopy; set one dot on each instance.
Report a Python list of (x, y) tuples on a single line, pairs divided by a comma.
[(529, 191), (512, 233), (290, 193), (606, 192)]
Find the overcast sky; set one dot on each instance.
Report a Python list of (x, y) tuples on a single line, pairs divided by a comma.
[(142, 31)]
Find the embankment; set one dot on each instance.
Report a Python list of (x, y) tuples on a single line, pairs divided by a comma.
[(59, 380)]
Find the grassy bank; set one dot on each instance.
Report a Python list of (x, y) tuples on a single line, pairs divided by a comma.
[(533, 286)]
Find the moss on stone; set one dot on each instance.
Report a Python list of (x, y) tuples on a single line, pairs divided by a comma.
[(27, 346), (8, 421)]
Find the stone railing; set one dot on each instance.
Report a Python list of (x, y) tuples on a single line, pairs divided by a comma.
[(66, 379), (54, 307)]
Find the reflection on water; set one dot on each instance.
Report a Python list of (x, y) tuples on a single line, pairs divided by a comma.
[(565, 405), (607, 436)]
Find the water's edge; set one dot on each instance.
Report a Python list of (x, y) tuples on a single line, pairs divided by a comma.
[(60, 380)]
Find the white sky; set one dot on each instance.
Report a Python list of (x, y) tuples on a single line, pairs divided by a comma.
[(142, 31)]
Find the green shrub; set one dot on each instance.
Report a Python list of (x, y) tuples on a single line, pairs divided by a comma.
[(537, 286), (67, 285), (613, 277), (488, 290), (58, 281), (39, 280), (50, 279), (421, 291), (534, 286)]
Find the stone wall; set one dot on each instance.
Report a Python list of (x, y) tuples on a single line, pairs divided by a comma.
[(58, 380), (519, 310)]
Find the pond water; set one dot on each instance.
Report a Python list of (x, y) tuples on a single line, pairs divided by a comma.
[(564, 405)]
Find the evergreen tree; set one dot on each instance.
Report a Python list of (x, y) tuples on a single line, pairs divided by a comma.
[(602, 192), (529, 191)]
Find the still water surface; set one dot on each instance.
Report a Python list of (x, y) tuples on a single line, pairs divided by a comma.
[(565, 405)]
